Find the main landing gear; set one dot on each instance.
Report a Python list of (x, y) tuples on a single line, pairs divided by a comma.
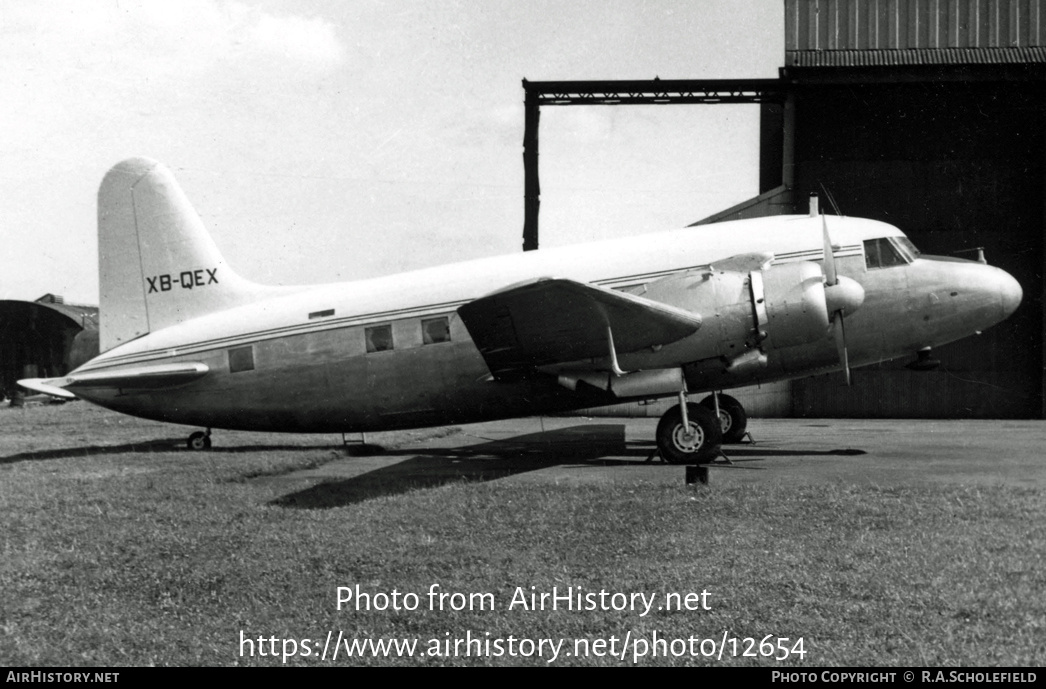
[(692, 433), (732, 416), (689, 434), (200, 440)]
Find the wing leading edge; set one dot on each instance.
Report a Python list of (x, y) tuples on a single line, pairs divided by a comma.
[(554, 321)]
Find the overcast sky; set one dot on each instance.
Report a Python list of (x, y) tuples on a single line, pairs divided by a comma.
[(329, 141)]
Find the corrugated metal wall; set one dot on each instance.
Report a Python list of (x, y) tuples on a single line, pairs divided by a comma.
[(913, 24)]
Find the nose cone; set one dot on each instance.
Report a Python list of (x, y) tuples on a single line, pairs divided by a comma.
[(960, 297), (1010, 293)]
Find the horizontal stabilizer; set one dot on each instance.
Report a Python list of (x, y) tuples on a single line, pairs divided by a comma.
[(139, 378), (47, 387), (551, 321)]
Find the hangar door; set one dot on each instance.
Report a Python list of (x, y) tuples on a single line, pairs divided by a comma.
[(42, 339), (956, 165)]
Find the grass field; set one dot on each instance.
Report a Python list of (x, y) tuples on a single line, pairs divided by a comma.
[(121, 548)]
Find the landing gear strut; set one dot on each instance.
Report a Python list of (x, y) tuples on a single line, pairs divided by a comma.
[(199, 440), (693, 441), (732, 416)]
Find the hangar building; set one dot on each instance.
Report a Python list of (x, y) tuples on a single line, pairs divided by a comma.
[(927, 114), (930, 116), (43, 338)]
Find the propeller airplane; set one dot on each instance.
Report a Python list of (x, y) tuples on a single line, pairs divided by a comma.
[(184, 339)]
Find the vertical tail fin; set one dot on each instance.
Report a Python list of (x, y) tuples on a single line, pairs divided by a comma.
[(158, 265)]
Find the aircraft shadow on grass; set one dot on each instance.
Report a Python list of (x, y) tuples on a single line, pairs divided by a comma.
[(599, 444), (147, 446), (579, 443), (734, 451), (437, 466)]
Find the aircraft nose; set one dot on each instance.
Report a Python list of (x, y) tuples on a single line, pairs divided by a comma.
[(1010, 292)]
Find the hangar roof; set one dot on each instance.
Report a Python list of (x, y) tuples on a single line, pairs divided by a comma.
[(859, 33), (84, 316), (915, 56)]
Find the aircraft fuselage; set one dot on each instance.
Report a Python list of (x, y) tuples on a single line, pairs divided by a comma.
[(393, 352)]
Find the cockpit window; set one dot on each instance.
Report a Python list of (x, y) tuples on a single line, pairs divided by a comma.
[(883, 253), (906, 247)]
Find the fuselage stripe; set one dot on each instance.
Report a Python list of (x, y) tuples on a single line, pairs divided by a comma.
[(394, 314)]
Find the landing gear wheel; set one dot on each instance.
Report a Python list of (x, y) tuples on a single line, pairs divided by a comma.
[(698, 444), (732, 417), (199, 441)]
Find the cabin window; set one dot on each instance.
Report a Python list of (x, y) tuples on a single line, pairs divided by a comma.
[(241, 359), (881, 253), (435, 330), (379, 338)]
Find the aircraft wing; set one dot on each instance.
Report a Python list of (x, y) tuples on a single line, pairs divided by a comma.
[(138, 378), (550, 321)]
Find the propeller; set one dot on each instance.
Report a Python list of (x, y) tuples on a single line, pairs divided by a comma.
[(830, 274), (842, 295)]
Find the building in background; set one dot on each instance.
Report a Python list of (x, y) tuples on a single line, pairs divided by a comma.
[(929, 115), (43, 338)]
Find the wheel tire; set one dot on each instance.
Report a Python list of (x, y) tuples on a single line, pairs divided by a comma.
[(199, 441), (732, 416), (700, 447)]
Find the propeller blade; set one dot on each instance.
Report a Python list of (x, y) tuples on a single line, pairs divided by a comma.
[(840, 344), (844, 294), (829, 256)]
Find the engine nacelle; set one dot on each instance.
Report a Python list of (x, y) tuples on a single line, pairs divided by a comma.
[(745, 316), (723, 300), (789, 304), (777, 306)]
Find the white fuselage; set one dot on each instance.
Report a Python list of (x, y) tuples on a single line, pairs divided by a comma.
[(310, 368)]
